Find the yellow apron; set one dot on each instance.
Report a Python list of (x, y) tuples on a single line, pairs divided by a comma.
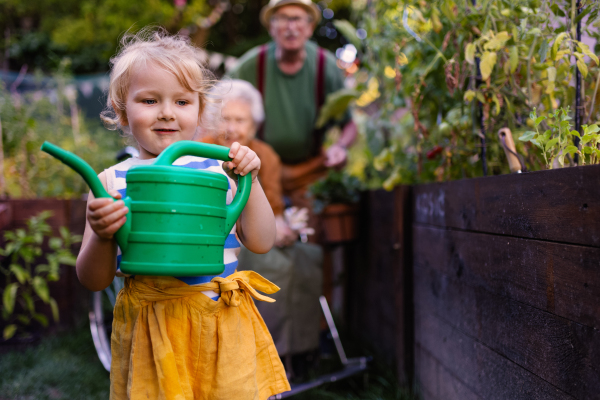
[(171, 342)]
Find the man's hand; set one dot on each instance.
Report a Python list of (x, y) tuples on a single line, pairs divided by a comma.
[(336, 156)]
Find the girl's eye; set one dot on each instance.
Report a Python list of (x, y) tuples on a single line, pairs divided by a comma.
[(181, 102), (149, 101)]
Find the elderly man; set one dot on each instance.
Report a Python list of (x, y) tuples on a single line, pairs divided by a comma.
[(295, 76)]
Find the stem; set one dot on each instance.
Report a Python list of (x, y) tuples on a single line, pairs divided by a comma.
[(593, 99), (529, 71), (2, 181)]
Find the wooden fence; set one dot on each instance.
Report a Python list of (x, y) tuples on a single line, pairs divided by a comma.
[(485, 288)]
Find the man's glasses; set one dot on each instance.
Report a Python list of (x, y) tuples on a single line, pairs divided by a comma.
[(284, 20)]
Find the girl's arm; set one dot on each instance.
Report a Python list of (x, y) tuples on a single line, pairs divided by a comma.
[(256, 225), (97, 259)]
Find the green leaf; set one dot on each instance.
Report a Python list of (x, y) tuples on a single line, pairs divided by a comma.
[(538, 120), (54, 308), (571, 149), (488, 60), (585, 139), (561, 160), (591, 129), (29, 303), (41, 288), (582, 68), (551, 143), (9, 297), (514, 58), (470, 53), (575, 133), (469, 95), (497, 42), (556, 45), (551, 74), (55, 243), (21, 274), (587, 150), (585, 49), (24, 319), (582, 14), (556, 10), (9, 331), (335, 105), (41, 318), (527, 136), (348, 31), (535, 32)]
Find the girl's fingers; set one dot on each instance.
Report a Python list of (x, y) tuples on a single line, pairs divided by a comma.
[(102, 222), (115, 193), (239, 157), (111, 229), (97, 204)]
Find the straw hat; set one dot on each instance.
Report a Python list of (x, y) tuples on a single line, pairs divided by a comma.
[(268, 10)]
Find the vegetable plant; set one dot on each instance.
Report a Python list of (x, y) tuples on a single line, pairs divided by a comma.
[(556, 142), (27, 277)]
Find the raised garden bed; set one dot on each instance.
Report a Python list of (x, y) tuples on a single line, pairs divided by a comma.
[(485, 288)]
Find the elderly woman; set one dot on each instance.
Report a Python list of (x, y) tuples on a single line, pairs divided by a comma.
[(242, 114), (295, 267)]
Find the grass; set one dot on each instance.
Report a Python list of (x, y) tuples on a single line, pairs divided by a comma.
[(65, 366)]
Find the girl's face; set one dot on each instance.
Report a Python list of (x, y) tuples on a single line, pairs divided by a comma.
[(159, 110)]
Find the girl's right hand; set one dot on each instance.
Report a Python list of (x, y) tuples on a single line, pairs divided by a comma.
[(106, 216)]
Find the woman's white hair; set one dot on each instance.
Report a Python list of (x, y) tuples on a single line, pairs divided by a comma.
[(237, 89)]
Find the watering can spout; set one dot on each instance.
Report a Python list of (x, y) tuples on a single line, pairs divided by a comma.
[(90, 177)]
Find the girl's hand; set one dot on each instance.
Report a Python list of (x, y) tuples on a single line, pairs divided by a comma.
[(244, 161), (106, 216)]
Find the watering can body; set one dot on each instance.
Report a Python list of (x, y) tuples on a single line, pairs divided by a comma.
[(178, 219)]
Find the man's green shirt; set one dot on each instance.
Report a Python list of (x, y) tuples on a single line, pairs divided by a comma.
[(290, 100)]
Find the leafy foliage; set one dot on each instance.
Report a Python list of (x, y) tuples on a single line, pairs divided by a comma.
[(336, 187), (48, 114), (26, 280), (421, 91), (556, 142)]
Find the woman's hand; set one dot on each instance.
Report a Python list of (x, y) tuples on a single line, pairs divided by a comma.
[(106, 216), (285, 235), (244, 161)]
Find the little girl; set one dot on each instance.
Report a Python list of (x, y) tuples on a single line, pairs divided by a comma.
[(188, 337)]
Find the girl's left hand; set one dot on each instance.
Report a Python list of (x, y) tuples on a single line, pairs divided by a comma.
[(244, 161)]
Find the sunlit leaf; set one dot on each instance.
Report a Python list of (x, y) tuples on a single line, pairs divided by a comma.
[(9, 331), (488, 60), (469, 95), (348, 31), (9, 297), (470, 53), (582, 68), (21, 274), (513, 58), (54, 308), (41, 288), (41, 318)]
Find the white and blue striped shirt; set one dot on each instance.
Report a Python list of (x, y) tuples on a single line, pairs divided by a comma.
[(115, 179)]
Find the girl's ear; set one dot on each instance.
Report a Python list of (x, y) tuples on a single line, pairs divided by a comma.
[(121, 114)]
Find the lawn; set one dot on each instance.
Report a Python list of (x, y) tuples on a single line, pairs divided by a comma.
[(65, 366)]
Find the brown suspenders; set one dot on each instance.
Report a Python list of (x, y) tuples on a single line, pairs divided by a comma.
[(319, 89)]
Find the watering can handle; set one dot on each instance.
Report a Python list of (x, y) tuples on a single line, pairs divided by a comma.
[(190, 148), (90, 177)]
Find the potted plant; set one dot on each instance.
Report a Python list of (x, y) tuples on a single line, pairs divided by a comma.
[(335, 199)]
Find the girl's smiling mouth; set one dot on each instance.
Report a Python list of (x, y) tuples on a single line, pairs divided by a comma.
[(164, 130)]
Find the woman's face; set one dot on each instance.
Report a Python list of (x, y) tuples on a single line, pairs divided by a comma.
[(237, 124)]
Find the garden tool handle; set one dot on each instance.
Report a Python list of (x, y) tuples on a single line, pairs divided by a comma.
[(191, 148), (91, 178), (506, 139)]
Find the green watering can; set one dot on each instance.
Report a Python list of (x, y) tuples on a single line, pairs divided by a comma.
[(178, 220)]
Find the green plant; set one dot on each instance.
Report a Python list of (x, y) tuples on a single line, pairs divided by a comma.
[(556, 142), (26, 281), (336, 187), (420, 85)]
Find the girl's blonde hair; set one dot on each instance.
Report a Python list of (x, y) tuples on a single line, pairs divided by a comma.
[(173, 53)]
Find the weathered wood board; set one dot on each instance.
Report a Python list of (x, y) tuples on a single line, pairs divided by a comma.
[(506, 275)]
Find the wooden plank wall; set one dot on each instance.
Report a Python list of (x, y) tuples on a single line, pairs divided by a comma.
[(507, 286)]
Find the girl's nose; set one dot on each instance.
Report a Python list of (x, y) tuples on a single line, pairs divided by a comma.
[(166, 113)]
